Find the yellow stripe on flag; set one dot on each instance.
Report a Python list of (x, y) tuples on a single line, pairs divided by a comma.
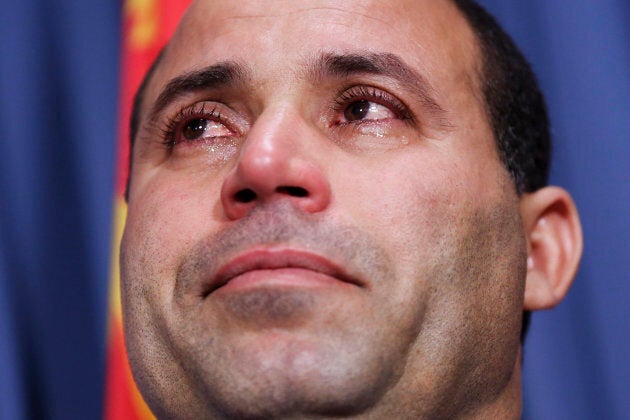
[(144, 31)]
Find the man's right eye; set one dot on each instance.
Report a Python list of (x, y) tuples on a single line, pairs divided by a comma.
[(197, 123), (203, 128), (195, 128)]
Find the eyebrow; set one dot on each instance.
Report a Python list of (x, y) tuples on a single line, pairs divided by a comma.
[(216, 76), (230, 73), (380, 64)]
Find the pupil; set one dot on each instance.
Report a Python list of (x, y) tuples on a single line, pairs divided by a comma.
[(357, 110), (195, 128)]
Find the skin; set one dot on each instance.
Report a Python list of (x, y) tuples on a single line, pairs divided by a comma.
[(421, 316)]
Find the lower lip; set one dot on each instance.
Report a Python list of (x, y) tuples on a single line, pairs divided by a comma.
[(281, 277)]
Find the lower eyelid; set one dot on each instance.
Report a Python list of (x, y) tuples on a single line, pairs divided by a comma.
[(215, 112)]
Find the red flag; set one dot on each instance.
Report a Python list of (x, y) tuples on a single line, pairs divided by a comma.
[(147, 26)]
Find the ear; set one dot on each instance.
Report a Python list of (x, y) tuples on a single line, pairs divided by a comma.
[(554, 246)]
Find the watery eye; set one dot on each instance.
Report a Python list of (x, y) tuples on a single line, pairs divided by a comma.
[(202, 129), (194, 129), (366, 110), (357, 110)]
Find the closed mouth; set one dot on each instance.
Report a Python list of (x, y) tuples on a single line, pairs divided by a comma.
[(277, 258)]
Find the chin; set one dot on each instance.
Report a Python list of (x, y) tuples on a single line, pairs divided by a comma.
[(299, 400), (281, 375)]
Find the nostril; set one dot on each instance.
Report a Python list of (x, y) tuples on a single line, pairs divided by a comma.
[(293, 191), (245, 196)]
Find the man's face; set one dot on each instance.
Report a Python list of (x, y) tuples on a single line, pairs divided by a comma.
[(319, 222)]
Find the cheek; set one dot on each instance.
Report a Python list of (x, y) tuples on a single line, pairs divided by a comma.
[(420, 209), (165, 219), (450, 229), (407, 202)]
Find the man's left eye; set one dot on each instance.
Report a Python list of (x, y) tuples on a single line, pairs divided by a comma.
[(367, 110)]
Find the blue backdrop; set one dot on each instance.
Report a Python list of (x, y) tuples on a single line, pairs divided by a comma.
[(58, 90)]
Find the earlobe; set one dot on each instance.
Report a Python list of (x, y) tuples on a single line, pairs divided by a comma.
[(554, 246)]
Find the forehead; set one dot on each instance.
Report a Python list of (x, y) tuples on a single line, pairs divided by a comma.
[(274, 36)]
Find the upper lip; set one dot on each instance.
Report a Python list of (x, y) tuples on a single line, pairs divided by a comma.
[(277, 258)]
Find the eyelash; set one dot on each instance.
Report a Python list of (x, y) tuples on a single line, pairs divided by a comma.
[(173, 125), (371, 93)]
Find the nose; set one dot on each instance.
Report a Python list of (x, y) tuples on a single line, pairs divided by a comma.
[(275, 164)]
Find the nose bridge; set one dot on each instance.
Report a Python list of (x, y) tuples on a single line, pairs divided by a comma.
[(272, 137), (277, 162)]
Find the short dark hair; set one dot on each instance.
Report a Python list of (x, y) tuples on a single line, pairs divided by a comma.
[(514, 103), (134, 121), (138, 99)]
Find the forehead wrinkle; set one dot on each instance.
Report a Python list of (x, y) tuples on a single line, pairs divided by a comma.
[(354, 13), (291, 13), (220, 75)]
